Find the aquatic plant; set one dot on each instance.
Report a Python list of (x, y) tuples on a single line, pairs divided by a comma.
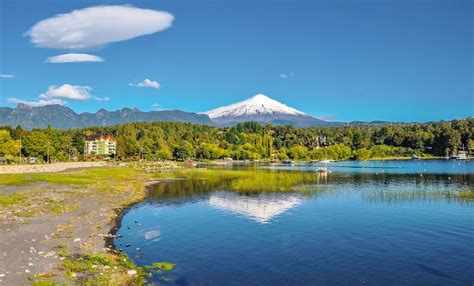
[(165, 266), (467, 195)]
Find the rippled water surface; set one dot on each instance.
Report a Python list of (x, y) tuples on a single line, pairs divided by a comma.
[(371, 223)]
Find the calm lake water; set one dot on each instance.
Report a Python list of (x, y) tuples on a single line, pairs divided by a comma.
[(365, 223)]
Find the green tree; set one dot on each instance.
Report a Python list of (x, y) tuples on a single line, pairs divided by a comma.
[(127, 143), (299, 153), (184, 151), (362, 154), (211, 151), (36, 145), (8, 146), (164, 153), (268, 145)]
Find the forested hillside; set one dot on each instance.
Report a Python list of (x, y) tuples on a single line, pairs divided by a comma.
[(179, 141)]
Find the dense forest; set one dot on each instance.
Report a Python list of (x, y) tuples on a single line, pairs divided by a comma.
[(180, 141)]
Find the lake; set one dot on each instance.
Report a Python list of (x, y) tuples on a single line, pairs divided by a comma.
[(364, 223)]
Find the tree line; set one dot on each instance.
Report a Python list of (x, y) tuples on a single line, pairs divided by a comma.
[(249, 140)]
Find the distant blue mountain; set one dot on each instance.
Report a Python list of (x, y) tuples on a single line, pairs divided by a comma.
[(63, 117)]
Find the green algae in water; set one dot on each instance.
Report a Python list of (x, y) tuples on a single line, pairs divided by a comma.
[(165, 266)]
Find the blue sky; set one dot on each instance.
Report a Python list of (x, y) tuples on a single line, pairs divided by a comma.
[(344, 60)]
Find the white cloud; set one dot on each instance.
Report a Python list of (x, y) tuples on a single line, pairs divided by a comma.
[(57, 95), (40, 102), (146, 83), (6, 76), (285, 75), (97, 26), (73, 58), (102, 99), (74, 92)]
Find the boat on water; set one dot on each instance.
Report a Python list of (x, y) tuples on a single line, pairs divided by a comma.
[(287, 162), (462, 155), (327, 161), (415, 157)]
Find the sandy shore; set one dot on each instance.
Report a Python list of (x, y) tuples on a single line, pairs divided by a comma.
[(47, 168)]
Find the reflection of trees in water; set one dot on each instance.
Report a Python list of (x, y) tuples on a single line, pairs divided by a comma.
[(179, 192), (374, 187)]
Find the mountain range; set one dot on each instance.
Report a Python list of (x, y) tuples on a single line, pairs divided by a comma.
[(63, 117), (258, 108)]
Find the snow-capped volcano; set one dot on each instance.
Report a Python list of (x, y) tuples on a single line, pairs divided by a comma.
[(258, 104), (263, 109)]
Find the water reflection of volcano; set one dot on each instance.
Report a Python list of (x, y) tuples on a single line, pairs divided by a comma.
[(261, 208)]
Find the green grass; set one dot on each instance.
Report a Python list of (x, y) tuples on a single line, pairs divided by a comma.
[(73, 178), (102, 269), (12, 199), (24, 204), (44, 279), (103, 182), (62, 250), (45, 283)]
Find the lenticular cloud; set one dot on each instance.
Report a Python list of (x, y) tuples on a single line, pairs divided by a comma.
[(97, 26), (73, 58)]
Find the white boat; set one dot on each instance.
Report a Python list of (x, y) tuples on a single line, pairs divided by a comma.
[(327, 161), (462, 155)]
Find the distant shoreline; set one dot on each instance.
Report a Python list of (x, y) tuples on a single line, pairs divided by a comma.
[(67, 166)]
